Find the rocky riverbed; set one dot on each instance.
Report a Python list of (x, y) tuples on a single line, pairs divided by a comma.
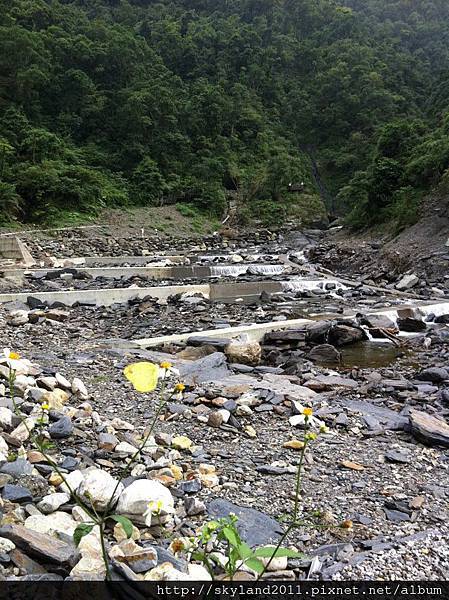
[(376, 484)]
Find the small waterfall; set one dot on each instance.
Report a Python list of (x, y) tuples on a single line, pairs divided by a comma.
[(228, 270), (305, 285), (242, 269), (266, 269)]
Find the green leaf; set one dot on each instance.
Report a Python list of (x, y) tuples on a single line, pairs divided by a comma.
[(82, 530), (124, 522), (255, 564), (267, 552), (245, 551), (232, 536)]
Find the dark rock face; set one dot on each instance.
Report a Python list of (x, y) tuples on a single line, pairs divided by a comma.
[(434, 375), (411, 325), (61, 429), (442, 319), (325, 353), (342, 335), (255, 527)]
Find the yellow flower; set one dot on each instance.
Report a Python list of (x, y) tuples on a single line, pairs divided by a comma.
[(180, 387), (308, 412), (165, 365), (310, 437), (14, 356), (45, 406), (143, 376)]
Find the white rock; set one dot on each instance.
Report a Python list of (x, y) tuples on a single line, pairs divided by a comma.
[(49, 383), (52, 502), (247, 399), (57, 522), (5, 416), (236, 258), (136, 497), (166, 572), (119, 424), (98, 487), (63, 382), (125, 448), (80, 515), (225, 414), (244, 411), (407, 282), (22, 431), (6, 545), (79, 389), (90, 569), (198, 572), (73, 480), (4, 450)]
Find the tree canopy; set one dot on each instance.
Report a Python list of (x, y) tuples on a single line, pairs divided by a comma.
[(115, 102)]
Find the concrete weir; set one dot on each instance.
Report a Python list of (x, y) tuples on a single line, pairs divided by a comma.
[(216, 292), (155, 272), (257, 331)]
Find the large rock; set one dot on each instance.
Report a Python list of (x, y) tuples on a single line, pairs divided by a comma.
[(377, 321), (411, 325), (244, 353), (135, 499), (343, 335), (434, 375), (39, 545), (97, 488), (255, 527), (210, 368), (317, 332), (325, 353), (428, 429), (61, 429), (407, 282), (53, 524)]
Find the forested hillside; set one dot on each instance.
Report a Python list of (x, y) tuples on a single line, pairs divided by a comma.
[(109, 103)]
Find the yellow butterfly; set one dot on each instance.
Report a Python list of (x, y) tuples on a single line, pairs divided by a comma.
[(143, 376)]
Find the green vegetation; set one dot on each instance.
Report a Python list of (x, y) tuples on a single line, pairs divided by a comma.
[(141, 102)]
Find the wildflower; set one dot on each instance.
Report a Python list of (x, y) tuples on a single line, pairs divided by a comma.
[(324, 429), (308, 412), (347, 524), (310, 437), (143, 376), (10, 356), (180, 387), (177, 546), (45, 406), (155, 506), (166, 369)]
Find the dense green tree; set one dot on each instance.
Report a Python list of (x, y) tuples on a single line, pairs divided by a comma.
[(148, 101)]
